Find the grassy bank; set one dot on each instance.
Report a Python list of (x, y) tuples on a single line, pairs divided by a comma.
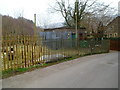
[(13, 72)]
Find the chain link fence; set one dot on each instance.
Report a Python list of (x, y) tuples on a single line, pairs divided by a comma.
[(23, 51)]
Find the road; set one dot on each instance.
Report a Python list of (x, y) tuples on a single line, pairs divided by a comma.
[(96, 71)]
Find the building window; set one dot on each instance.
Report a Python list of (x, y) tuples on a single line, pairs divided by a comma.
[(115, 34), (110, 35)]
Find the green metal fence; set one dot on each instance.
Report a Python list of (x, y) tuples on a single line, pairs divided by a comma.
[(25, 51)]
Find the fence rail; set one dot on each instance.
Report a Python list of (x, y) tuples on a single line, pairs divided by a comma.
[(25, 51)]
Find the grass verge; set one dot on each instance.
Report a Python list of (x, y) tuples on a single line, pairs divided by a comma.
[(13, 72)]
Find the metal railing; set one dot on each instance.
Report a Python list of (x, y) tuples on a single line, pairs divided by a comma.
[(25, 51)]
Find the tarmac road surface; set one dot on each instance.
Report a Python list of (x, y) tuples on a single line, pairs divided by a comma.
[(96, 71)]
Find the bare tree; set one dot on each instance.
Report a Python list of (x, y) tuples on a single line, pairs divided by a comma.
[(18, 13), (99, 18), (43, 22), (94, 10), (69, 11)]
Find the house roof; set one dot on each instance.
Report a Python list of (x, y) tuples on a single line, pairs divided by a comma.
[(113, 21), (61, 28)]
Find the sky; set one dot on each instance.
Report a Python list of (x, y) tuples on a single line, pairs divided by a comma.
[(41, 7)]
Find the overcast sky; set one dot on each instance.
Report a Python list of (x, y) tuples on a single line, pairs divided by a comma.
[(40, 7)]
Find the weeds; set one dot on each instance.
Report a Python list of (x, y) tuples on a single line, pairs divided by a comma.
[(12, 72)]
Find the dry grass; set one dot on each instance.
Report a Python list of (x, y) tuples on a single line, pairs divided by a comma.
[(28, 50)]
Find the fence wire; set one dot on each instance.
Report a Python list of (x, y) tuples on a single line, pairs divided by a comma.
[(23, 51)]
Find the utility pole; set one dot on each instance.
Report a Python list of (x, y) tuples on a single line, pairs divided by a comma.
[(35, 30), (76, 23), (35, 25)]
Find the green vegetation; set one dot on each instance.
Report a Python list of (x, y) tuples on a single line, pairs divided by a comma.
[(84, 44), (25, 53), (12, 72), (113, 38)]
